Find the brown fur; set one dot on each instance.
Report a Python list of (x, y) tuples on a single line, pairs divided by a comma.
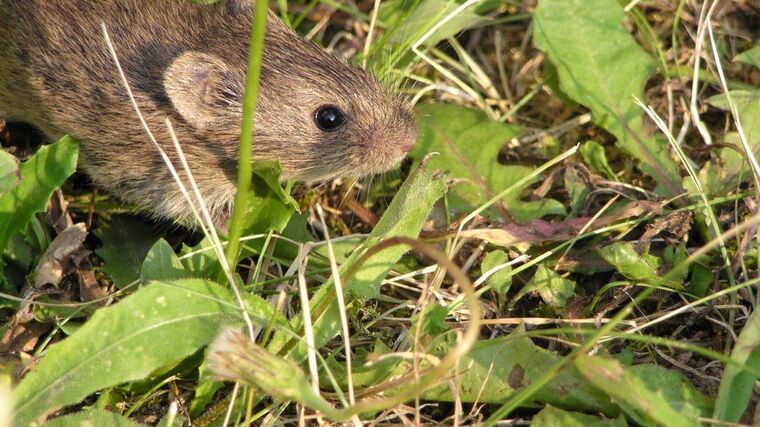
[(187, 62)]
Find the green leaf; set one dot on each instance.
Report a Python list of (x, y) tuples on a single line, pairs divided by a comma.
[(701, 279), (500, 367), (270, 206), (364, 372), (736, 386), (204, 390), (159, 324), (162, 264), (659, 395), (404, 217), (433, 320), (751, 56), (407, 21), (601, 66), (577, 189), (555, 417), (554, 289), (429, 13), (748, 105), (469, 145), (731, 168), (9, 174), (594, 156), (501, 280), (633, 266), (126, 242), (92, 417), (40, 176)]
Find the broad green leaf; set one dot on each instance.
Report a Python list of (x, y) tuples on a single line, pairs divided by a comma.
[(363, 372), (554, 289), (736, 386), (701, 279), (40, 176), (657, 394), (469, 145), (404, 217), (498, 368), (9, 174), (640, 268), (501, 280), (205, 389), (601, 66), (555, 417), (407, 21), (126, 241), (594, 156), (731, 168), (200, 260), (751, 56), (271, 207), (162, 264), (577, 189), (92, 418), (433, 320), (429, 13), (160, 324)]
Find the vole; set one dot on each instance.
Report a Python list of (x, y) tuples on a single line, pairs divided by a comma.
[(320, 117)]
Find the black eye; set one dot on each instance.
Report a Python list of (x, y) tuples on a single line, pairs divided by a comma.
[(329, 118)]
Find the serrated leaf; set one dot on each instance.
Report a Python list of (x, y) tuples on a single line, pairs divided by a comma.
[(737, 385), (204, 390), (159, 324), (601, 66), (162, 264), (501, 280), (404, 217), (92, 418), (364, 373), (126, 242), (433, 320), (500, 367), (40, 176), (469, 145), (594, 156), (577, 189), (750, 56), (659, 395), (270, 206), (430, 12), (731, 168), (554, 289), (9, 173), (555, 417), (640, 268)]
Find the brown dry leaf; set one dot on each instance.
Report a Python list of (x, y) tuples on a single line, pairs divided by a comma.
[(89, 287), (23, 332), (677, 224), (537, 232), (58, 255)]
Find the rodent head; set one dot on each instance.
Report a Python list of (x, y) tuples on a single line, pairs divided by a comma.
[(320, 117)]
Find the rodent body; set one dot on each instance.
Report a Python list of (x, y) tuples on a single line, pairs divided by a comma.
[(187, 62)]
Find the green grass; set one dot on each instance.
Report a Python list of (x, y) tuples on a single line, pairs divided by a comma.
[(613, 251)]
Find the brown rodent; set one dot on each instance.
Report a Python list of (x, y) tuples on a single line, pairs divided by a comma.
[(187, 62)]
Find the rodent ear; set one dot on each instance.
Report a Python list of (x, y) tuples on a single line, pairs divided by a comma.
[(201, 88)]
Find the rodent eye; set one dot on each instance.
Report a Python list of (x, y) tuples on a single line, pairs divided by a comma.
[(329, 118)]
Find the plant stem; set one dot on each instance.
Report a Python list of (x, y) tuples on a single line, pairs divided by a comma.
[(245, 167)]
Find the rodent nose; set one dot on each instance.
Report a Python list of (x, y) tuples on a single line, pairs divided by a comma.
[(407, 144), (407, 141)]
